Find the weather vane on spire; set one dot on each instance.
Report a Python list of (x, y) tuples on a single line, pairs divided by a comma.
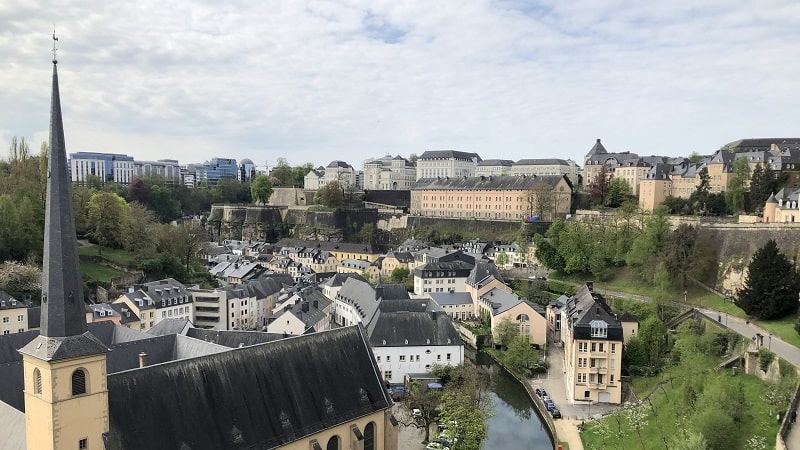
[(55, 38)]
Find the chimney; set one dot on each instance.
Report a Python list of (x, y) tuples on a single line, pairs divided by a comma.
[(433, 315), (142, 359), (305, 307), (598, 140), (316, 304)]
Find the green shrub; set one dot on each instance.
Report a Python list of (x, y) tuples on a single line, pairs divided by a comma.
[(765, 358)]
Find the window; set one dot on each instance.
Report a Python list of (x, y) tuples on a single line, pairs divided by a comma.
[(333, 443), (387, 375), (20, 318), (611, 380), (581, 378), (586, 394), (601, 347), (83, 444), (369, 436), (5, 319), (402, 358), (78, 382), (448, 356), (378, 358), (594, 347), (37, 381), (438, 357), (417, 358), (613, 348), (583, 347)]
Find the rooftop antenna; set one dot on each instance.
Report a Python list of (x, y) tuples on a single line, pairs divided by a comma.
[(55, 49)]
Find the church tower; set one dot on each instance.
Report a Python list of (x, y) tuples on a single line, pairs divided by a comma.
[(66, 397)]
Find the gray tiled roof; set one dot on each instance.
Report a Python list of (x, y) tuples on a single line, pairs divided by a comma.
[(451, 298), (448, 154), (542, 162), (12, 428), (400, 323), (292, 396), (496, 162), (487, 182)]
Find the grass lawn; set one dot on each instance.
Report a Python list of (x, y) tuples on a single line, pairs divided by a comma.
[(99, 272), (121, 257), (668, 408), (784, 328)]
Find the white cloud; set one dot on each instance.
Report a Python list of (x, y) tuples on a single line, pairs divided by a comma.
[(354, 79)]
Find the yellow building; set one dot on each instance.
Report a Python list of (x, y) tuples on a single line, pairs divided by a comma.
[(13, 315), (783, 207), (593, 340), (492, 198)]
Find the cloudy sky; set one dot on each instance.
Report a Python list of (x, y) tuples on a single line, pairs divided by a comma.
[(313, 81)]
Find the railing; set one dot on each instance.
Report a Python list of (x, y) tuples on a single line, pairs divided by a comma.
[(786, 423)]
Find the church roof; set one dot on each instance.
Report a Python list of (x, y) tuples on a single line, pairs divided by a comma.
[(258, 397), (597, 149)]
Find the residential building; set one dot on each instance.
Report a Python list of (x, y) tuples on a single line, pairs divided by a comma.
[(783, 207), (457, 305), (409, 337), (314, 179), (244, 306), (340, 250), (442, 276), (163, 299), (446, 163), (13, 315), (395, 260), (108, 167), (357, 301), (332, 285), (389, 173), (311, 313), (655, 187), (499, 305), (342, 173), (593, 340), (492, 198)]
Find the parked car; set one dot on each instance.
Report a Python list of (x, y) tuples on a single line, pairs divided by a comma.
[(555, 413), (398, 393), (545, 398), (549, 405), (540, 392)]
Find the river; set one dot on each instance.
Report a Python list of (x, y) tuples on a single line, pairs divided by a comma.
[(515, 424)]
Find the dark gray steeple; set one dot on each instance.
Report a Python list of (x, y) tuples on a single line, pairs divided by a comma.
[(63, 333), (63, 309)]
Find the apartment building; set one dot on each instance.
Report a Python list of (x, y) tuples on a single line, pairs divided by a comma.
[(13, 315), (546, 167), (389, 173)]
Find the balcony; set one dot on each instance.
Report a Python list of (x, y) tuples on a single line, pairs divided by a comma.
[(593, 369), (602, 370)]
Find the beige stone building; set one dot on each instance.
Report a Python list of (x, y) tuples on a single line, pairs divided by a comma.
[(446, 163), (593, 338), (492, 198), (389, 173), (13, 315), (783, 207)]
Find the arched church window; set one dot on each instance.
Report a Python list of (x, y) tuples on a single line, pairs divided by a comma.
[(79, 382), (37, 381)]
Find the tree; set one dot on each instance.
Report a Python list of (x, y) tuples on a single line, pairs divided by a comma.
[(138, 191), (771, 286), (520, 355), (501, 260), (649, 244), (188, 242), (299, 173), (107, 215), (16, 277), (541, 201), (462, 421), (598, 188), (331, 195), (505, 332), (735, 194), (699, 198), (283, 171), (164, 204), (261, 189), (695, 157), (653, 334), (427, 402), (618, 192)]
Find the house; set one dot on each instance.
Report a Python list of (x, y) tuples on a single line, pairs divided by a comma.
[(311, 313), (593, 338), (13, 315), (499, 306), (783, 207), (331, 286), (410, 336), (243, 306), (442, 276), (360, 266), (158, 300), (395, 260), (457, 305), (342, 173)]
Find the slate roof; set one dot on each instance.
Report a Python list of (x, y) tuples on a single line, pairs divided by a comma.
[(233, 339), (597, 149), (501, 301), (170, 326), (47, 348), (496, 162), (448, 154), (340, 278), (659, 172), (12, 428), (340, 164), (258, 397), (391, 292), (402, 323), (585, 307), (361, 295), (351, 247), (542, 162), (483, 273), (487, 182), (9, 302), (451, 298)]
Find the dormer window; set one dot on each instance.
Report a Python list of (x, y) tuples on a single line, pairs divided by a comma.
[(599, 328)]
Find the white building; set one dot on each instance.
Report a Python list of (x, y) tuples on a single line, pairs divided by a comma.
[(546, 167), (407, 337), (447, 163), (342, 173), (163, 299), (389, 173)]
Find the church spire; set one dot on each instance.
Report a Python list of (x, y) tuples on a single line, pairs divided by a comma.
[(63, 308)]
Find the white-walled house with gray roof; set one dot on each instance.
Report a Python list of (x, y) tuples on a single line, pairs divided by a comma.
[(410, 336)]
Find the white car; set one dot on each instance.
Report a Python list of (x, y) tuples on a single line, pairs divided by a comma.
[(416, 413)]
